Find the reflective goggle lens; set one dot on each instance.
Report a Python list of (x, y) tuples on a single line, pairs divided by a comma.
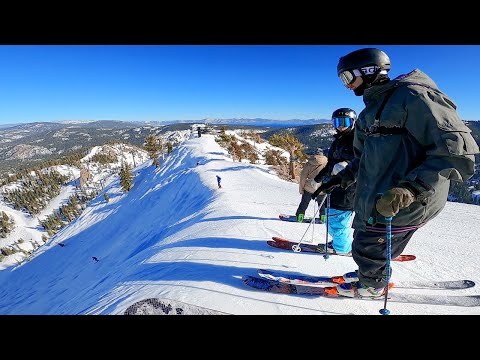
[(345, 122), (349, 76)]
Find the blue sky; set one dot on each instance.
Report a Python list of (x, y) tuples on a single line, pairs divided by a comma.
[(173, 82)]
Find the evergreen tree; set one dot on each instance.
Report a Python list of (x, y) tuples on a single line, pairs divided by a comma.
[(126, 177), (152, 147), (6, 225)]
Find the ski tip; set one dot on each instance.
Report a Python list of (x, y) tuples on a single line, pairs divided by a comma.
[(468, 283), (246, 279), (405, 258), (255, 282)]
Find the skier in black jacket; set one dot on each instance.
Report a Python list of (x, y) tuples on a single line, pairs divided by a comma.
[(341, 200)]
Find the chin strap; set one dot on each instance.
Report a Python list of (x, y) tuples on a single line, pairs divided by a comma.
[(370, 80)]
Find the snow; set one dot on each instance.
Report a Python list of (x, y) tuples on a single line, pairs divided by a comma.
[(176, 235)]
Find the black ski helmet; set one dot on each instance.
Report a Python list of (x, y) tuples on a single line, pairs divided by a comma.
[(344, 113), (364, 58)]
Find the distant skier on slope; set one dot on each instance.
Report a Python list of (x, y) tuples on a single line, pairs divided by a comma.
[(219, 179)]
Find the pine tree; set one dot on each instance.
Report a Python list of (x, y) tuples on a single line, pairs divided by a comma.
[(126, 177), (152, 147), (6, 225)]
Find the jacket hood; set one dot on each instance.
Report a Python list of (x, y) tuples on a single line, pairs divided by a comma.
[(317, 160), (415, 77)]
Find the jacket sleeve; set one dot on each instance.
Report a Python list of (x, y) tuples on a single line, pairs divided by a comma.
[(349, 174), (303, 178), (449, 146), (321, 175)]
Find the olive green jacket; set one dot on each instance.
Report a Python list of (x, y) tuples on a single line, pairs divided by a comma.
[(430, 146)]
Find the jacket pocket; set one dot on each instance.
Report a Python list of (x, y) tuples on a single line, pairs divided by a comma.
[(459, 143)]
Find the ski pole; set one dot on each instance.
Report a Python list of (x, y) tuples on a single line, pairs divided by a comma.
[(296, 247), (385, 311), (313, 220), (327, 212)]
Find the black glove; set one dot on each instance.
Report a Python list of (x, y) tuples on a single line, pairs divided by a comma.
[(328, 185)]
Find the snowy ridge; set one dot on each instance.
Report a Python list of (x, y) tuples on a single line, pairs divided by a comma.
[(175, 235)]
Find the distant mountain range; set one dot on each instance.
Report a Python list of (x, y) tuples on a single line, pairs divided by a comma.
[(28, 143), (25, 144), (258, 122), (234, 121)]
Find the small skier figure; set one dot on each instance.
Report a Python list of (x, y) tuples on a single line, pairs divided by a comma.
[(218, 181)]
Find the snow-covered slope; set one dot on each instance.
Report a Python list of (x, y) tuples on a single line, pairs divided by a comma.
[(176, 235)]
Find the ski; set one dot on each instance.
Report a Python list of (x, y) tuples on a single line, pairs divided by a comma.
[(289, 278), (283, 288), (293, 218), (281, 243)]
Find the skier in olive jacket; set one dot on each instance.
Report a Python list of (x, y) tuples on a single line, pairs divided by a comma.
[(410, 143)]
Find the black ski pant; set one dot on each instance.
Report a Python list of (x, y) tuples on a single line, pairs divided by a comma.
[(306, 197), (369, 250)]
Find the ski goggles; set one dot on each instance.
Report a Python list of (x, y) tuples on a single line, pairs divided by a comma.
[(349, 76), (339, 121)]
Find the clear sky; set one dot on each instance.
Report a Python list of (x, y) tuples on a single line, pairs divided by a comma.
[(185, 82), (176, 235)]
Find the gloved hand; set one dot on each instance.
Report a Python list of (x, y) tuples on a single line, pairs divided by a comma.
[(328, 185), (393, 200)]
